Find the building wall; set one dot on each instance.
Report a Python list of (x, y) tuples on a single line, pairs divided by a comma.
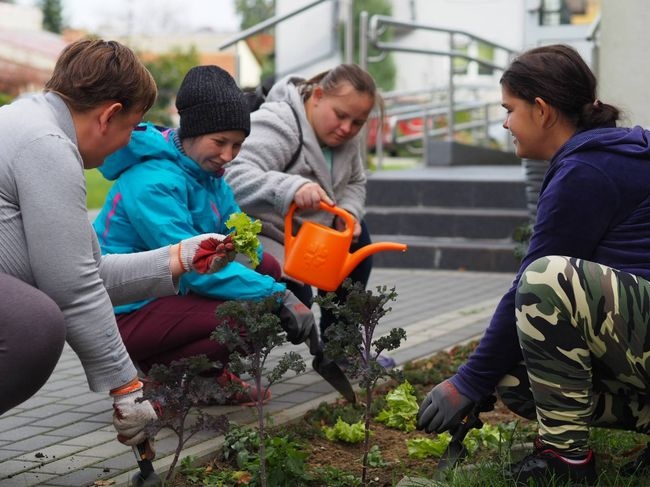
[(27, 53), (624, 67), (499, 21), (237, 60), (307, 43), (20, 17)]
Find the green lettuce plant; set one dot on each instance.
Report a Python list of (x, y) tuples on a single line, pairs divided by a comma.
[(342, 431), (244, 236), (401, 408), (488, 436)]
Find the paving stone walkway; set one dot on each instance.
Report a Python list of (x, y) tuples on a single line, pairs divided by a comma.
[(63, 436)]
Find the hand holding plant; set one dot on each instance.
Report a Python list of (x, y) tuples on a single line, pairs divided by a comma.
[(244, 237)]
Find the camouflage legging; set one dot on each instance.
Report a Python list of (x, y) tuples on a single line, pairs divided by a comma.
[(583, 330)]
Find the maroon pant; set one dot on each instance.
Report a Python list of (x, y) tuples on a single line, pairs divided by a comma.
[(176, 327)]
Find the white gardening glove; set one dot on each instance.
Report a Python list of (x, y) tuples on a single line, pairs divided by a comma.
[(206, 253), (131, 416)]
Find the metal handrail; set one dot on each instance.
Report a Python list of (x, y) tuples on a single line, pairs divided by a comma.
[(425, 113), (373, 29), (277, 19), (376, 28), (595, 27), (266, 24)]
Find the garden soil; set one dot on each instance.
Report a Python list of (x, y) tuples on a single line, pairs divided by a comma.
[(391, 442)]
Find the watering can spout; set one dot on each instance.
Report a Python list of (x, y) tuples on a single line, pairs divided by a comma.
[(320, 255), (355, 258)]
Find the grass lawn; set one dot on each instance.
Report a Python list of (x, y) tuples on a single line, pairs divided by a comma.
[(96, 186)]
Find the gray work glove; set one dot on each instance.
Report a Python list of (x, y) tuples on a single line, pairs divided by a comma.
[(206, 253), (443, 408), (296, 319)]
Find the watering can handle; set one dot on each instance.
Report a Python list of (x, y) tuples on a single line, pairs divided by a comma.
[(288, 219)]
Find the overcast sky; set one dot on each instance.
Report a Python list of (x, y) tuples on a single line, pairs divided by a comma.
[(148, 15)]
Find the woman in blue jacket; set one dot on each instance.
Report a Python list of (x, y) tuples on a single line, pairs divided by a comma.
[(168, 183), (569, 342)]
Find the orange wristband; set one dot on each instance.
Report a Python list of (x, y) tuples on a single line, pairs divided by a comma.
[(134, 385), (179, 258)]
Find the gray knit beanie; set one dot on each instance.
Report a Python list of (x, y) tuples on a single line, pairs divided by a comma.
[(210, 101)]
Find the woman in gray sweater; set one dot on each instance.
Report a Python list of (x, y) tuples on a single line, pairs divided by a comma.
[(303, 148), (54, 284)]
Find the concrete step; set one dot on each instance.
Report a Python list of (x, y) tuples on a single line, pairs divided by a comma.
[(485, 255), (481, 223), (451, 218), (457, 187)]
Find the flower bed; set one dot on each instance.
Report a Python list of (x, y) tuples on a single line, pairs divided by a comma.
[(305, 457)]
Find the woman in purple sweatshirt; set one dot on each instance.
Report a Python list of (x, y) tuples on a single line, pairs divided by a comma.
[(569, 342)]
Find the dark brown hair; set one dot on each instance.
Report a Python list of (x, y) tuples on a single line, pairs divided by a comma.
[(559, 76), (330, 81), (92, 71)]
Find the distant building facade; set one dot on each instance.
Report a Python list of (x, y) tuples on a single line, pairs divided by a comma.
[(27, 53)]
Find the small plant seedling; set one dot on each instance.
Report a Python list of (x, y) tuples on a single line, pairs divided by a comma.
[(375, 458), (177, 390), (249, 354), (352, 338), (285, 458)]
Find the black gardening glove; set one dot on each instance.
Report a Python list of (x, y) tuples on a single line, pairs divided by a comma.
[(443, 408), (295, 318)]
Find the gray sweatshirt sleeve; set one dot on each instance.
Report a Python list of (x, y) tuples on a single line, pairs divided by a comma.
[(257, 174), (60, 251), (351, 193), (132, 277)]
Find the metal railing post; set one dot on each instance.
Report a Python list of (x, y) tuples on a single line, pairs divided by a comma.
[(363, 40), (486, 121), (450, 94), (363, 62), (426, 146), (349, 32)]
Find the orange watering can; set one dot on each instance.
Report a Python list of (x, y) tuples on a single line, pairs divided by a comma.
[(320, 256)]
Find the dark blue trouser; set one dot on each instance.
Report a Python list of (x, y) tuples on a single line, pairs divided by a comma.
[(32, 336)]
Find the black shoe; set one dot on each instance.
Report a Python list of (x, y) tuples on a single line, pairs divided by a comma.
[(640, 466), (545, 467)]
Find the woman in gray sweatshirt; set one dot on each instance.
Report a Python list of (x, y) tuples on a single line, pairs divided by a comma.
[(303, 148), (54, 284)]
